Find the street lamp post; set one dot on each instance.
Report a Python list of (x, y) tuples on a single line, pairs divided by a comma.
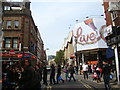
[(76, 37), (46, 54), (76, 49)]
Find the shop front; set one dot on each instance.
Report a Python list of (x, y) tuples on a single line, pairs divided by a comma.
[(18, 58)]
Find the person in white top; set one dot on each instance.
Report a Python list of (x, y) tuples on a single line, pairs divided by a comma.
[(85, 70)]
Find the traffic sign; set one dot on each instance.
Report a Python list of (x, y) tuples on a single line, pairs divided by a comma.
[(12, 52), (19, 55)]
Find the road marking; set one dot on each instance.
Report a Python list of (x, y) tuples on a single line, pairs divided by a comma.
[(84, 84), (49, 87)]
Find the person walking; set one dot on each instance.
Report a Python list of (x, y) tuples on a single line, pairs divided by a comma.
[(85, 70), (76, 69), (80, 68), (98, 71), (71, 70), (106, 75), (66, 71), (89, 69), (38, 75), (29, 80), (59, 74), (45, 75), (52, 75)]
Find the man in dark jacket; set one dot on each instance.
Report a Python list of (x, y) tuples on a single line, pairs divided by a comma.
[(29, 77), (52, 75), (106, 75), (45, 75), (59, 74)]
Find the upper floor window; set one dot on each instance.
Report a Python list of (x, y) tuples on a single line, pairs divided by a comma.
[(15, 43), (7, 43), (9, 24), (16, 24), (115, 15), (7, 8)]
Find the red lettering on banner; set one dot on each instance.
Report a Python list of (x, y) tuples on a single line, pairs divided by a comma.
[(92, 36), (85, 38)]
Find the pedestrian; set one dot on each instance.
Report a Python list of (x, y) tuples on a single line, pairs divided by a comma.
[(59, 74), (29, 78), (45, 75), (66, 71), (76, 69), (106, 75), (93, 68), (38, 75), (80, 68), (98, 71), (85, 70), (52, 75), (95, 76), (89, 69), (71, 70)]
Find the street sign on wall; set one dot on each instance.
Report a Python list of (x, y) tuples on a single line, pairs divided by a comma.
[(19, 55), (12, 52), (109, 29)]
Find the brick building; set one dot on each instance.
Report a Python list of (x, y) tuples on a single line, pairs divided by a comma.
[(21, 37), (112, 13)]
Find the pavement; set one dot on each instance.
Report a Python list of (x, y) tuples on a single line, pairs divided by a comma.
[(99, 85)]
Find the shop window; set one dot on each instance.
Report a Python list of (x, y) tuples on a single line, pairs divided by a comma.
[(7, 43), (16, 24), (9, 24), (15, 43)]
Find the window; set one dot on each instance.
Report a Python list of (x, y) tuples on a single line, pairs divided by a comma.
[(9, 24), (115, 15), (15, 43), (7, 43), (7, 8), (16, 24)]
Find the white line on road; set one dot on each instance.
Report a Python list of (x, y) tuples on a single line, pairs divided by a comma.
[(84, 84)]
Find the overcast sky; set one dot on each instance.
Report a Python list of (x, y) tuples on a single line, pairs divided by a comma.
[(54, 19)]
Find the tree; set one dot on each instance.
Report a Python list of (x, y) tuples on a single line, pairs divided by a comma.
[(59, 59)]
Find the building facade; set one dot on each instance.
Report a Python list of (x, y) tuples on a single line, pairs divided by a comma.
[(21, 37), (68, 49), (86, 42), (112, 13)]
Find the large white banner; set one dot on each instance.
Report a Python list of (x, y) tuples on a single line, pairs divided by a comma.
[(90, 34)]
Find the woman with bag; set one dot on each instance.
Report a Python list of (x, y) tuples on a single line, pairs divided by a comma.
[(59, 74), (66, 71)]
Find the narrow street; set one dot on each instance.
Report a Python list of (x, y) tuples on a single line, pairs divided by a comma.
[(71, 85), (78, 84)]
